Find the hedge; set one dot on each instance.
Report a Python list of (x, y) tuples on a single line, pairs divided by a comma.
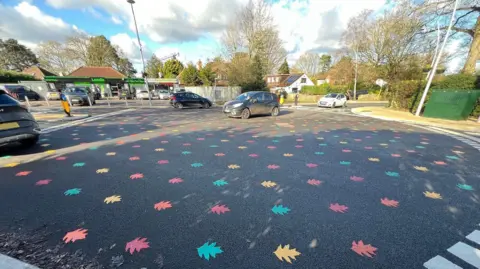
[(13, 77), (316, 90)]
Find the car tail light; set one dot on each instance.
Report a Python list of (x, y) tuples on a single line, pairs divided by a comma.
[(173, 98)]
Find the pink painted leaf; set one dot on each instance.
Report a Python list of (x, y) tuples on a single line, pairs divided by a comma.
[(311, 165), (396, 155), (299, 140), (411, 151), (134, 158), (61, 158), (368, 147), (338, 208), (346, 150), (357, 140), (250, 141), (299, 146), (136, 146), (220, 209), (253, 155), (314, 182), (388, 202), (271, 147), (73, 236), (200, 139), (219, 154), (43, 182), (164, 142), (363, 250), (273, 166), (175, 180), (23, 173), (163, 162), (440, 163), (162, 205), (356, 179), (136, 176), (187, 144), (136, 245)]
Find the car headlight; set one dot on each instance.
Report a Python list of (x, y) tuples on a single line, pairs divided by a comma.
[(237, 105)]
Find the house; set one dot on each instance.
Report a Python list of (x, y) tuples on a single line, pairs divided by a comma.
[(291, 83), (37, 72), (97, 72), (322, 79)]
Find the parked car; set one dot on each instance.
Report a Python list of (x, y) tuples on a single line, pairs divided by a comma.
[(144, 94), (125, 94), (97, 95), (53, 94), (188, 99), (252, 103), (349, 94), (163, 94), (79, 95), (20, 91), (333, 100), (16, 123)]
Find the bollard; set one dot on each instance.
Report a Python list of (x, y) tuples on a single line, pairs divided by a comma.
[(89, 101), (141, 100), (28, 103), (126, 101), (69, 101), (48, 102), (108, 99)]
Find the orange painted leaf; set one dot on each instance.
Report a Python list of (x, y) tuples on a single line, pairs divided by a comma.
[(73, 236), (162, 205), (314, 182), (363, 250), (338, 208), (220, 209), (137, 244), (388, 202)]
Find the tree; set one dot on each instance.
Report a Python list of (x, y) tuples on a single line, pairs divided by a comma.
[(15, 56), (189, 75), (284, 68), (154, 66), (172, 68), (76, 47), (124, 66), (252, 30), (239, 69), (100, 52), (325, 62), (206, 75), (309, 63), (343, 71), (54, 56), (257, 74)]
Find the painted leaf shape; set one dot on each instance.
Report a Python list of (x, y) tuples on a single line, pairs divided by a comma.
[(103, 171), (220, 182), (134, 158), (111, 153), (220, 209), (288, 155), (159, 149), (465, 187), (286, 253), (136, 244), (452, 157), (388, 202), (196, 165), (73, 236), (253, 155), (219, 154), (71, 192), (432, 195), (23, 173), (43, 182), (162, 205), (280, 210), (345, 163), (209, 250), (112, 199), (311, 165), (314, 182), (346, 150), (392, 174), (163, 162), (440, 163), (363, 250), (356, 179), (233, 166), (396, 155), (374, 159), (11, 165), (421, 168), (273, 166), (78, 164), (269, 184), (136, 176), (186, 152), (338, 208), (175, 180)]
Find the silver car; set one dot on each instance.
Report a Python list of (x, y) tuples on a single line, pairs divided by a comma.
[(163, 95), (144, 95), (79, 95)]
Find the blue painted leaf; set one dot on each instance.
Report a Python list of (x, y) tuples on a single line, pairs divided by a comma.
[(275, 141), (322, 145), (345, 163), (335, 136), (465, 187), (392, 174), (71, 192), (393, 140), (214, 146), (452, 157), (280, 210), (93, 148), (319, 153), (209, 250), (220, 182), (186, 152), (420, 147), (44, 139), (78, 164), (196, 165)]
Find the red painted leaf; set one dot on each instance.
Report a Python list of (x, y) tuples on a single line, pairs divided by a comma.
[(175, 180), (162, 205), (43, 182), (73, 236), (61, 158), (338, 208), (314, 182), (356, 179), (440, 163), (220, 209), (23, 173), (363, 250), (388, 202), (137, 244)]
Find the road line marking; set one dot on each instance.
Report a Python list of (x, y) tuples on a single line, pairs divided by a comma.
[(439, 262), (466, 253), (474, 236)]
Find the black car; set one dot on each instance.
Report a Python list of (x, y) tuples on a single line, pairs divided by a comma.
[(252, 103), (188, 99), (19, 92), (16, 123)]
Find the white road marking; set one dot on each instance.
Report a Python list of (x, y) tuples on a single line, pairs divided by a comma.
[(466, 253), (439, 262), (474, 236)]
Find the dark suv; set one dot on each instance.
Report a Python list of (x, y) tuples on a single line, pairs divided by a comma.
[(252, 103), (188, 99)]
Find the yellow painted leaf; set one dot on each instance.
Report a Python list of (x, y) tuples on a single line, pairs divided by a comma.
[(11, 164), (224, 140), (269, 184), (421, 168), (242, 147), (50, 151), (432, 195), (374, 159), (159, 149), (343, 142), (286, 253), (288, 154), (111, 153), (112, 199), (145, 138), (233, 166), (457, 152), (383, 144), (103, 171)]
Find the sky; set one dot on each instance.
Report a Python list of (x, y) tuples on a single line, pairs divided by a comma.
[(192, 28)]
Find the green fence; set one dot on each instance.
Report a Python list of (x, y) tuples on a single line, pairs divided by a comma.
[(451, 104)]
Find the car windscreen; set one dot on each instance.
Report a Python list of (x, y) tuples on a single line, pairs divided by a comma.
[(75, 90), (15, 88), (6, 99), (244, 96), (331, 95), (163, 91), (143, 92)]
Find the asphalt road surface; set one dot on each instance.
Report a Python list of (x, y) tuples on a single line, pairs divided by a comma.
[(165, 188)]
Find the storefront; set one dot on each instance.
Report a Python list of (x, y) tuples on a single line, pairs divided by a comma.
[(106, 86)]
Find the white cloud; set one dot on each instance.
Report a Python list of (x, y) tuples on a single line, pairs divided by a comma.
[(116, 20)]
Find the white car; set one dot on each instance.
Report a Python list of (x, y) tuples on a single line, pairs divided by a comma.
[(163, 95), (333, 100), (144, 95)]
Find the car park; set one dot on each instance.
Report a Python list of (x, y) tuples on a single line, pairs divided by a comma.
[(333, 100), (189, 99), (16, 123), (79, 95), (252, 103), (20, 92)]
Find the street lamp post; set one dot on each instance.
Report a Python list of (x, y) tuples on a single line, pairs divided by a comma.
[(131, 2)]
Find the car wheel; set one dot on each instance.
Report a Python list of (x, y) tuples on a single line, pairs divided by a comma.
[(245, 113), (206, 105), (30, 142), (344, 104), (333, 105), (179, 105), (275, 112)]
